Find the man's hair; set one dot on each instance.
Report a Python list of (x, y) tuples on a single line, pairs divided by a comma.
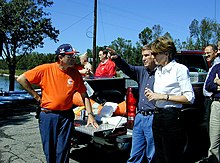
[(105, 52), (57, 57), (146, 47), (214, 47), (165, 45)]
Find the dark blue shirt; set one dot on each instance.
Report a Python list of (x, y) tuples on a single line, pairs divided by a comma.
[(143, 76), (210, 85)]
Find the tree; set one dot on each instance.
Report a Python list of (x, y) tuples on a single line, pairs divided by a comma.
[(24, 25), (124, 47), (145, 36), (157, 31), (204, 33)]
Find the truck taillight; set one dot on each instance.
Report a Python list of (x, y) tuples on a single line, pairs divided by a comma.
[(131, 103)]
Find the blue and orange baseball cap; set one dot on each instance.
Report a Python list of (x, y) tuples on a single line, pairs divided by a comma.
[(65, 49)]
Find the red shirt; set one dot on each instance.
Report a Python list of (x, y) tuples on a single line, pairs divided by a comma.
[(106, 69)]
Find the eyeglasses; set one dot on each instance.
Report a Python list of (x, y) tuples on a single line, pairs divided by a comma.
[(73, 56)]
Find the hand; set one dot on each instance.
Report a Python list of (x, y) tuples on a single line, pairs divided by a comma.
[(92, 121), (152, 95), (148, 93), (112, 53), (216, 78)]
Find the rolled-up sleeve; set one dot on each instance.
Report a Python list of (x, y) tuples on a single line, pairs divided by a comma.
[(186, 86)]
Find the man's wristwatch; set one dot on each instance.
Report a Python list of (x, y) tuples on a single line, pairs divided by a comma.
[(91, 113)]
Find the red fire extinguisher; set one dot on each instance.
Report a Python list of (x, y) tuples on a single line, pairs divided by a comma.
[(131, 103)]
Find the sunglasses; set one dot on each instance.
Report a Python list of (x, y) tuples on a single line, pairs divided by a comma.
[(73, 56)]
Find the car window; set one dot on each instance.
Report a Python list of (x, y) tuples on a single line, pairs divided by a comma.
[(195, 63)]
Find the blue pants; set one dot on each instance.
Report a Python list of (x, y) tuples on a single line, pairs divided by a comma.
[(56, 130), (142, 149)]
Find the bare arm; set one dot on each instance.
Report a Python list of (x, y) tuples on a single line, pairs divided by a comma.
[(27, 86), (157, 96), (91, 118)]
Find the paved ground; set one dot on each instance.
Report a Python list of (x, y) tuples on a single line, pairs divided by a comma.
[(20, 141)]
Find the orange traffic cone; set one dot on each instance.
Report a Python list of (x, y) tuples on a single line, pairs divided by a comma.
[(121, 109), (96, 107), (77, 100)]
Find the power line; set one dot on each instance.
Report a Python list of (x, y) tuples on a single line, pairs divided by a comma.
[(102, 22), (76, 22)]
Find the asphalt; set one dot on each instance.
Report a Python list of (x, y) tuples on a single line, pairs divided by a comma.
[(20, 141)]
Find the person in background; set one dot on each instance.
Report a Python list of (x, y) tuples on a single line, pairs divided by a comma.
[(172, 88), (87, 69), (58, 82), (106, 67), (213, 57), (142, 136), (213, 86)]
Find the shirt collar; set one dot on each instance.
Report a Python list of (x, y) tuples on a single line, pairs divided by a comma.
[(104, 61), (167, 67), (151, 72), (216, 60)]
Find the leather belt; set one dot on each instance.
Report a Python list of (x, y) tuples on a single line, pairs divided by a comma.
[(54, 111), (146, 112), (169, 109), (216, 99)]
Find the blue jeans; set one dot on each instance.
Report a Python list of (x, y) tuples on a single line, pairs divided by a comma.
[(56, 130), (142, 149)]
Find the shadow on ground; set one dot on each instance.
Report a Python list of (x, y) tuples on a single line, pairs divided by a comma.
[(9, 114), (91, 153)]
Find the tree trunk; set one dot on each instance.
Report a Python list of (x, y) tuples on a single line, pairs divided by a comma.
[(11, 78)]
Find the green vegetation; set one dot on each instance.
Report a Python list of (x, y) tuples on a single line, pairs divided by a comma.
[(24, 26)]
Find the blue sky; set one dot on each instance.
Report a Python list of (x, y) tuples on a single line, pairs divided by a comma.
[(123, 18)]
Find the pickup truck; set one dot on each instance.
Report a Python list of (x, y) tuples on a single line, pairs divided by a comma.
[(120, 89)]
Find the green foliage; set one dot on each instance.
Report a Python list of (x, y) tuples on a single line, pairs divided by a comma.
[(24, 25), (148, 35), (125, 49), (30, 61), (145, 36), (203, 33)]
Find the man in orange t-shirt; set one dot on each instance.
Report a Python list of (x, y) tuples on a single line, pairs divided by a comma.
[(106, 67), (58, 82)]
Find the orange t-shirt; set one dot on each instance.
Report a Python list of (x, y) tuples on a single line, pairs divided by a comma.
[(57, 86)]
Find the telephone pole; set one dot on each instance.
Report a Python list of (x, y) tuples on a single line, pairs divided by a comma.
[(94, 35), (1, 43)]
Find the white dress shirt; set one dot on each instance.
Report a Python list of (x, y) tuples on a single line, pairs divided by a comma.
[(173, 79)]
